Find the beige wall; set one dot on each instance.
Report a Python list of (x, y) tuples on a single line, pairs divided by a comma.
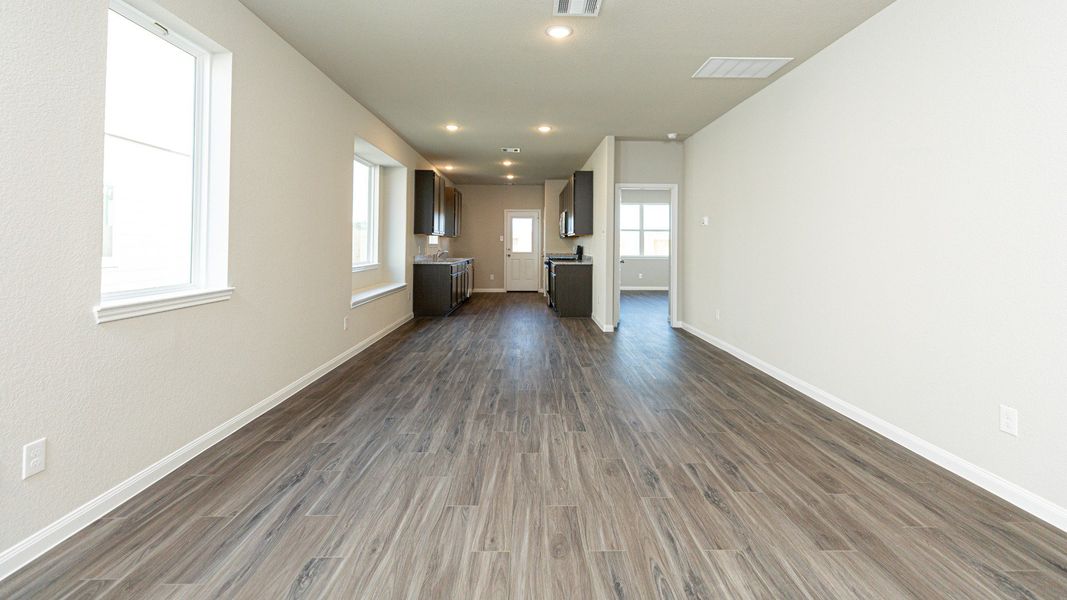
[(639, 161), (483, 224), (600, 246), (887, 224), (645, 273), (113, 399)]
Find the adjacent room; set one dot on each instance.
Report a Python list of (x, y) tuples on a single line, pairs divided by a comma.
[(551, 299)]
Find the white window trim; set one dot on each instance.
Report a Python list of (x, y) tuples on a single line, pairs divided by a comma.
[(372, 293), (375, 200), (137, 307), (201, 288), (641, 231)]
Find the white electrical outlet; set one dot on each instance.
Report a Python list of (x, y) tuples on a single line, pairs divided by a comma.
[(705, 221), (33, 458), (718, 314), (501, 238), (492, 277), (640, 275), (1009, 420), (345, 325)]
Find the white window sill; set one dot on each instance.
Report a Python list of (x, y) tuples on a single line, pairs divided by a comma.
[(371, 293), (147, 305), (367, 267)]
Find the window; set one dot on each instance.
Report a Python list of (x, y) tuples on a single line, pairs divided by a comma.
[(522, 231), (155, 195), (645, 230), (364, 215)]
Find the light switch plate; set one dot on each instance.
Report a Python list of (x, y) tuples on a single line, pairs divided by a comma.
[(1009, 420)]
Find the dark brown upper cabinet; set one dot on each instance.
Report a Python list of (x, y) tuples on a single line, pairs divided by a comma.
[(453, 211), (438, 208), (576, 205)]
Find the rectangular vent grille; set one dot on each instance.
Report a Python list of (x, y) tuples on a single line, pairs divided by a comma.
[(511, 150), (576, 8), (718, 67)]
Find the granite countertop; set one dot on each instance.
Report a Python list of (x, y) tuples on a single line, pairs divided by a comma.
[(443, 261), (586, 260)]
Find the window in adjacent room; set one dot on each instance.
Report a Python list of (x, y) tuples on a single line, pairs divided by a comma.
[(364, 215), (155, 193), (645, 230)]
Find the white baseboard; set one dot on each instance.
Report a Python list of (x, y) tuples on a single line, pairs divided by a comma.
[(22, 553), (489, 290), (644, 288), (602, 327), (1028, 501)]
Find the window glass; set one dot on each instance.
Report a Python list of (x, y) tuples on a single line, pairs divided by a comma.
[(522, 234), (364, 191), (149, 195), (644, 230), (657, 216), (657, 243), (630, 217)]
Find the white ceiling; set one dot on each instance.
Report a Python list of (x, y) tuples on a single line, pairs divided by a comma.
[(488, 66)]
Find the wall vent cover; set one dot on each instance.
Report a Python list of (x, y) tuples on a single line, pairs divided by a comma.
[(511, 150), (576, 8), (719, 67)]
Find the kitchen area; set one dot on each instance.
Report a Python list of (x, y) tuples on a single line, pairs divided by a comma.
[(473, 227)]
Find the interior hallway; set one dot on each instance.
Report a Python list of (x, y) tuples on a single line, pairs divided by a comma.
[(503, 452)]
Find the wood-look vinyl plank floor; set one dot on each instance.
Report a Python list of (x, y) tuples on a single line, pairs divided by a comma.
[(505, 453)]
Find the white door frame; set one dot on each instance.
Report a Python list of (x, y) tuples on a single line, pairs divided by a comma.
[(672, 293), (539, 243)]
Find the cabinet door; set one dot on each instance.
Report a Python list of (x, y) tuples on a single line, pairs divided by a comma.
[(425, 191), (438, 206), (449, 215), (459, 213)]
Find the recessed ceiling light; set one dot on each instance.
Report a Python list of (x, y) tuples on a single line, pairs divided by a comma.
[(452, 127), (544, 129), (449, 167), (559, 31), (507, 163), (510, 176)]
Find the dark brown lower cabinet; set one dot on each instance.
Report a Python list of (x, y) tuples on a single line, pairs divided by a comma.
[(571, 289), (440, 288)]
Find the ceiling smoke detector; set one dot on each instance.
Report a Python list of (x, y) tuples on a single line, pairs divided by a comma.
[(576, 8), (724, 67)]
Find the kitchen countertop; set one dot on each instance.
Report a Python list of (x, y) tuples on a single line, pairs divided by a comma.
[(443, 261), (586, 260)]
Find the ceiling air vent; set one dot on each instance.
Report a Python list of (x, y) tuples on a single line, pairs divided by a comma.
[(576, 8), (510, 150), (718, 67)]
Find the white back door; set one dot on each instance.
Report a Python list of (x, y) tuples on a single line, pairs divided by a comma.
[(522, 250)]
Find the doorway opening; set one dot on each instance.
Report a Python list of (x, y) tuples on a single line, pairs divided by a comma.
[(646, 254), (522, 250)]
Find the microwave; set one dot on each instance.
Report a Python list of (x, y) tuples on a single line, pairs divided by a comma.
[(563, 224)]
